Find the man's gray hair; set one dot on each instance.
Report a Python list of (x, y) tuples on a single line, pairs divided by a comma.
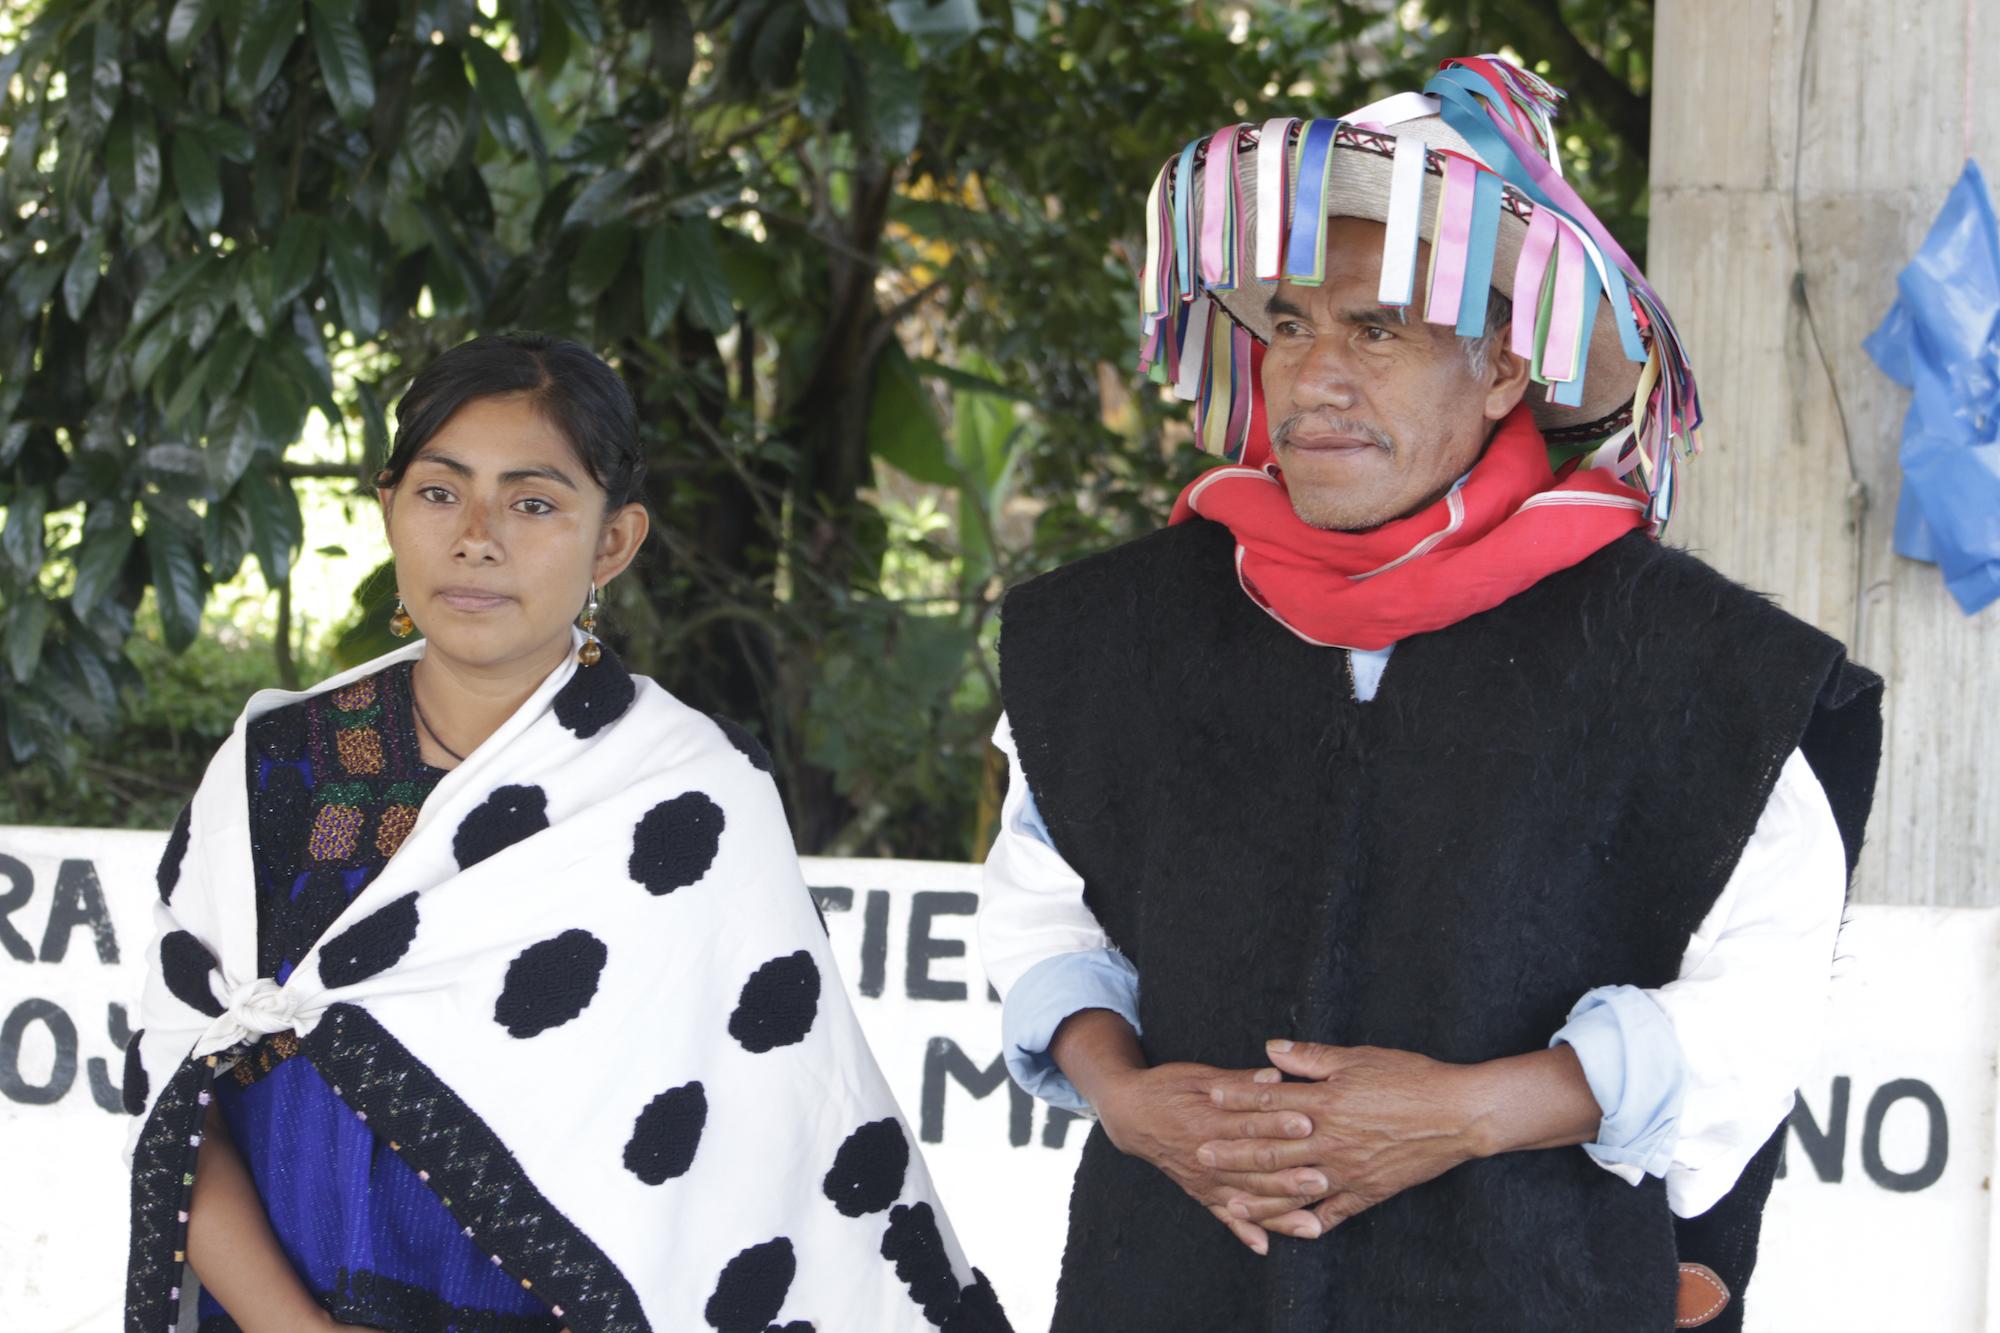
[(1499, 319)]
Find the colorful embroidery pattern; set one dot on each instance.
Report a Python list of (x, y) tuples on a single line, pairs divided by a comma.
[(336, 783)]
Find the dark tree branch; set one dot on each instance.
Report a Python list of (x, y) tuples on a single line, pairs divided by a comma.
[(1546, 34)]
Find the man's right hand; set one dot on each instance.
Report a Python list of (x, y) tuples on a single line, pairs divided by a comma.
[(1162, 1114)]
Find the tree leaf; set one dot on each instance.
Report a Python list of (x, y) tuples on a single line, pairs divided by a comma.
[(825, 78), (895, 101), (440, 119), (80, 277), (177, 469), (21, 538), (295, 258), (663, 278), (165, 288), (185, 25), (232, 444), (902, 422), (199, 181), (227, 138), (27, 627), (33, 283), (227, 363), (672, 32), (178, 589), (100, 560), (583, 19), (186, 394), (132, 160), (708, 300), (107, 70), (226, 535), (256, 300), (343, 63), (357, 285), (598, 200), (507, 114), (374, 423), (277, 404), (597, 262), (151, 351), (276, 525), (267, 37)]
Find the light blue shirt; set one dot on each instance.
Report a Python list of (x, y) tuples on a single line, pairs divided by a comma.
[(1623, 1039)]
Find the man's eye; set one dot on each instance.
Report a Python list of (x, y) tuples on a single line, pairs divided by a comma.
[(1291, 328), (1375, 333)]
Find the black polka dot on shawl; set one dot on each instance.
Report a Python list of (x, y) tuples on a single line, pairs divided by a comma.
[(185, 964), (135, 1085), (675, 842), (510, 814), (978, 1309), (666, 1134), (867, 1174), (752, 748), (752, 1288), (169, 873), (550, 983), (596, 696), (913, 1243), (778, 1004), (373, 944)]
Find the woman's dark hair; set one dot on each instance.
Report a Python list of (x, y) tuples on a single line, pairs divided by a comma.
[(567, 383)]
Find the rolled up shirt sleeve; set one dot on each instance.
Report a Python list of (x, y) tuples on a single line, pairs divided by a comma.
[(1042, 947), (1049, 992), (1693, 1077), (1633, 1063)]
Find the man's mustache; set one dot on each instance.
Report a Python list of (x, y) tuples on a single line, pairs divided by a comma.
[(1333, 424)]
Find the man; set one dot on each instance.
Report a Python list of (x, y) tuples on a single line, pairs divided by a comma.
[(1430, 880)]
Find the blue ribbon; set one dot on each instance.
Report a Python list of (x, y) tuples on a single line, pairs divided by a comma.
[(1308, 238), (1479, 255), (1184, 243)]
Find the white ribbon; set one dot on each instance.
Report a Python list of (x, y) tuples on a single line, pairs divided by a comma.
[(1393, 110), (256, 1010)]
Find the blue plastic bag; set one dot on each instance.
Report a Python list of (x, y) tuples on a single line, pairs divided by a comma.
[(1941, 340)]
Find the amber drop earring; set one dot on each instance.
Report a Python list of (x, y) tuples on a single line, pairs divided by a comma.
[(588, 652), (400, 623)]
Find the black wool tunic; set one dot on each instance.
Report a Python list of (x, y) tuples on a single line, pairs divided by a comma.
[(1544, 798)]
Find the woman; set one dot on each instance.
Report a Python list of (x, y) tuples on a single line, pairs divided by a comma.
[(487, 994)]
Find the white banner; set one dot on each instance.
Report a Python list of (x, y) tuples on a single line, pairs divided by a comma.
[(1888, 1161)]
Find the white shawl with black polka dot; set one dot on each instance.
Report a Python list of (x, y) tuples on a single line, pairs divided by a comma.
[(590, 1001)]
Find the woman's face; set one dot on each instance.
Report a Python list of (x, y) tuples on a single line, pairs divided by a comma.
[(498, 533)]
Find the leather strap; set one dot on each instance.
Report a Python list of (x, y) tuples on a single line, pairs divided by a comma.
[(1702, 1296)]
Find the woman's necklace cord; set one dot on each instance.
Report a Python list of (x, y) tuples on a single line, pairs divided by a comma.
[(417, 705)]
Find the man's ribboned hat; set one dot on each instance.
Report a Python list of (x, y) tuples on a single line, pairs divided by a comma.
[(1469, 165)]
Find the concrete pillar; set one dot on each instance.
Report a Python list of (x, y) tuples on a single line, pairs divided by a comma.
[(1800, 150)]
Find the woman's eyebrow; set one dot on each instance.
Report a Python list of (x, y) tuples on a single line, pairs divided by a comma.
[(542, 473)]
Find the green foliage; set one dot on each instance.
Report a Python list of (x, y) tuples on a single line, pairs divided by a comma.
[(868, 269)]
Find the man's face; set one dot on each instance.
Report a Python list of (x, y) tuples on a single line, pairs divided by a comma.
[(1373, 416)]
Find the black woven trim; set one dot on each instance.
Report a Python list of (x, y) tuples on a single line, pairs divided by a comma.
[(373, 1300), (162, 1183), (471, 1171), (1591, 430)]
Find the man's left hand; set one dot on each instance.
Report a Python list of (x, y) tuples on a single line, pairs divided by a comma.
[(1382, 1121)]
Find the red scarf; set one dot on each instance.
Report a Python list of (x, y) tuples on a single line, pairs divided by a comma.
[(1511, 524)]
